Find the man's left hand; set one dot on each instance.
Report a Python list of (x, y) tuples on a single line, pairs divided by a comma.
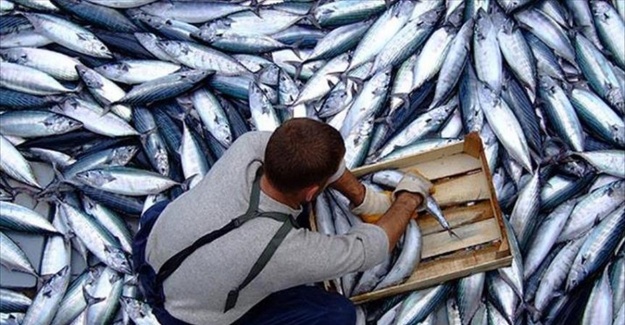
[(374, 203)]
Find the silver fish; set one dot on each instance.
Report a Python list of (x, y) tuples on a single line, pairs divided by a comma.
[(46, 302), (69, 35), (126, 180), (408, 259), (136, 71), (30, 80), (97, 239), (13, 258), (57, 65), (15, 165)]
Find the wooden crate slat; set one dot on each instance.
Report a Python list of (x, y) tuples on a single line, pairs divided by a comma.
[(470, 235), (446, 167), (462, 189), (412, 160), (456, 216), (445, 269)]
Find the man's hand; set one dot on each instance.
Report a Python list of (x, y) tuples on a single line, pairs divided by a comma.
[(414, 183), (374, 203)]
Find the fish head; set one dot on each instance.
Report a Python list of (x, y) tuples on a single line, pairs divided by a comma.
[(615, 96), (255, 91), (95, 178), (162, 162), (600, 9), (486, 95), (508, 26), (60, 123), (383, 78), (335, 99), (70, 104), (147, 38), (173, 48), (269, 74), (89, 77), (483, 24), (116, 259), (430, 17), (14, 56), (155, 22), (96, 46), (195, 76), (122, 155), (547, 83), (403, 8), (136, 13), (208, 33), (618, 134), (113, 69), (57, 283)]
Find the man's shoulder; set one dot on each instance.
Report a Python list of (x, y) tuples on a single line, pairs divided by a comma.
[(255, 137)]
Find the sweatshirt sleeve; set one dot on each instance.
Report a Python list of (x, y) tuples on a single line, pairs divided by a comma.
[(320, 257)]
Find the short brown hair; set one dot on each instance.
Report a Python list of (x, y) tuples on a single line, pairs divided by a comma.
[(302, 152)]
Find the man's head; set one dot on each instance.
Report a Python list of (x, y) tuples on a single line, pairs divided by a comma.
[(302, 154)]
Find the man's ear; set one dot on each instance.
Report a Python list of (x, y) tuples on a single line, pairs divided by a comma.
[(310, 192)]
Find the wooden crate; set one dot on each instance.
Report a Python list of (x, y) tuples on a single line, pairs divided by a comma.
[(463, 187)]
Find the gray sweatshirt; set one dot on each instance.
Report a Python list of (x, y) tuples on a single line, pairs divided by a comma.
[(196, 292)]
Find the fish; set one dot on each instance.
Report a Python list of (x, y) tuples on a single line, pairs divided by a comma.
[(46, 302), (13, 258), (407, 261), (30, 80), (432, 207), (97, 239), (69, 34), (88, 87)]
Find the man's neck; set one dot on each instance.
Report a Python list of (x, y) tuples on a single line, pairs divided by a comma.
[(275, 194)]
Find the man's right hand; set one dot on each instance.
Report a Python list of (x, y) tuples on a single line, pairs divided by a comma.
[(414, 182)]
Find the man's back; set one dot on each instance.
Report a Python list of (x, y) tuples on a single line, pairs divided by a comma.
[(196, 292)]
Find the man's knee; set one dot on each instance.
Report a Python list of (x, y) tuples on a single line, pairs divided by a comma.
[(339, 311)]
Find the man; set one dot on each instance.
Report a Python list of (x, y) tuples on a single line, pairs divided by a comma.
[(198, 266)]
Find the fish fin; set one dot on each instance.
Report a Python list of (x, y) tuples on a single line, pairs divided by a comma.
[(452, 233), (255, 6), (106, 108), (79, 87), (389, 3), (132, 280), (358, 81), (187, 182), (596, 221), (298, 67), (405, 97), (82, 36), (526, 306), (296, 48), (311, 14), (144, 135), (91, 300)]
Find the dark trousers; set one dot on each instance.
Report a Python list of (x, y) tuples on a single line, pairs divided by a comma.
[(309, 305)]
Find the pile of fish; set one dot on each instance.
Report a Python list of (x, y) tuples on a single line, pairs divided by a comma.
[(129, 102)]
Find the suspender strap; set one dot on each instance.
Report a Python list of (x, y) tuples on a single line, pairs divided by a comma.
[(265, 256), (288, 223), (172, 264)]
